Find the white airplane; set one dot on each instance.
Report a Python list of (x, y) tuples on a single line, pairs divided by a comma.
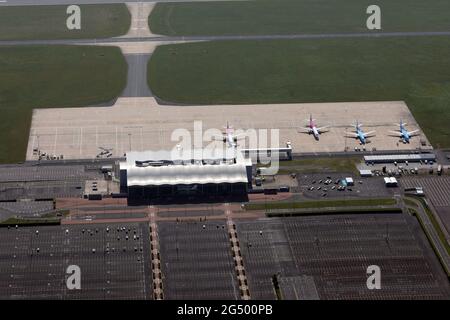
[(403, 133), (311, 128), (360, 134), (229, 137)]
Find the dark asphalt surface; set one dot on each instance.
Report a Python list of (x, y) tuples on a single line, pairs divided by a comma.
[(137, 76)]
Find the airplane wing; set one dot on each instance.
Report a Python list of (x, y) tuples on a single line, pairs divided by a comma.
[(351, 135), (323, 129), (239, 136), (414, 133), (218, 138), (303, 130), (394, 134), (370, 134)]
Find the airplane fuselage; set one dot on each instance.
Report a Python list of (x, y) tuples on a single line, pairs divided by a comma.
[(405, 135), (315, 132), (361, 136), (229, 138)]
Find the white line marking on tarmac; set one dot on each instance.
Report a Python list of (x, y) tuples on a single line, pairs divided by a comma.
[(56, 138), (34, 140), (142, 140), (81, 140), (117, 141)]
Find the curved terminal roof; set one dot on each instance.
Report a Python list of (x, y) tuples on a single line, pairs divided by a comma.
[(163, 168)]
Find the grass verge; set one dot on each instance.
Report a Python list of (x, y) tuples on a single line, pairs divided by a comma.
[(320, 204), (320, 165), (295, 16), (293, 213), (13, 221), (410, 203), (50, 218)]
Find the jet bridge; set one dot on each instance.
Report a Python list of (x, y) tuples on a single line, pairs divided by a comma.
[(260, 154)]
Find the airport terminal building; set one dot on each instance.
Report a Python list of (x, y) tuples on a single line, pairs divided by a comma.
[(161, 176)]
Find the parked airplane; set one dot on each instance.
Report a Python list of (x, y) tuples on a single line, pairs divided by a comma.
[(403, 133), (311, 128), (360, 134), (229, 137)]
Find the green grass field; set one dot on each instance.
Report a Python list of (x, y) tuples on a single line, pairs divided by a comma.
[(296, 16), (52, 76), (29, 221), (49, 22), (319, 165), (416, 70)]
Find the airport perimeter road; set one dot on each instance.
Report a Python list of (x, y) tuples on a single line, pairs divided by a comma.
[(432, 233)]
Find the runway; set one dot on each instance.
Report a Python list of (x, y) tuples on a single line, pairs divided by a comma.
[(69, 2)]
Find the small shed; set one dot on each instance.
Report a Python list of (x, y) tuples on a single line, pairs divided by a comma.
[(365, 173)]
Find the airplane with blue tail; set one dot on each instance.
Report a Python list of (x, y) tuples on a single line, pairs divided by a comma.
[(403, 133), (360, 134)]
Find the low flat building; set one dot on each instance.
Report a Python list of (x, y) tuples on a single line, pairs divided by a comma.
[(365, 173), (400, 158), (162, 176)]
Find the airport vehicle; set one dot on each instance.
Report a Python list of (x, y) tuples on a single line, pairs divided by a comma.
[(403, 133), (360, 134), (311, 128), (104, 152)]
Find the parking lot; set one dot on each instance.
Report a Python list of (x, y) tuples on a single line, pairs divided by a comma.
[(41, 190), (436, 189), (196, 261), (34, 260), (334, 253), (26, 173), (265, 254), (315, 186), (44, 181)]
